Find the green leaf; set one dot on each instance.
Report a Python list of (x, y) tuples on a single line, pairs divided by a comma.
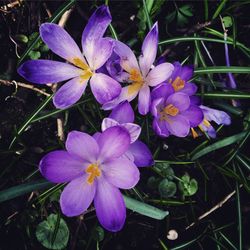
[(34, 55), (153, 182), (98, 234), (223, 69), (59, 12), (165, 170), (167, 188), (228, 22), (22, 189), (144, 209), (220, 144), (188, 186), (46, 229), (22, 38), (187, 10)]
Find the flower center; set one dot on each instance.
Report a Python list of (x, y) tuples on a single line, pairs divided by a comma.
[(137, 81), (93, 171), (170, 109), (87, 73), (178, 84)]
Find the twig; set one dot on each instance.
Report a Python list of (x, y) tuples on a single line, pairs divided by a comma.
[(218, 205), (60, 131), (23, 85)]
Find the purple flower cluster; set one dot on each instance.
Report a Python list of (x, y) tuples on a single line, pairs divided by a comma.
[(97, 166)]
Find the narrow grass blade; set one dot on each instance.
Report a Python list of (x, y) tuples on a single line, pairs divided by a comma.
[(223, 69), (219, 9), (28, 121), (226, 95), (220, 144), (22, 189), (144, 209)]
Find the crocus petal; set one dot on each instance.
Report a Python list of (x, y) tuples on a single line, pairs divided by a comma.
[(156, 105), (110, 206), (184, 72), (98, 53), (141, 153), (144, 100), (149, 50), (160, 128), (59, 166), (134, 131), (218, 116), (108, 123), (122, 173), (194, 115), (128, 60), (123, 113), (189, 88), (113, 142), (125, 95), (96, 26), (159, 74), (70, 93), (104, 88), (46, 71), (82, 145), (179, 100), (77, 196), (61, 43), (164, 90), (178, 126)]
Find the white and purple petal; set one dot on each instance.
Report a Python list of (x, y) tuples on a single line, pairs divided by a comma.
[(69, 93), (113, 143), (159, 74), (110, 206), (60, 42), (178, 125), (82, 145), (179, 100), (59, 166), (121, 172), (77, 196), (160, 127), (96, 26), (144, 100), (104, 87), (149, 50), (46, 71)]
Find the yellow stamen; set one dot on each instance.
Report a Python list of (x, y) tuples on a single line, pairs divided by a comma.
[(206, 123), (178, 84), (93, 171), (79, 63), (194, 133), (137, 81), (170, 109), (86, 74)]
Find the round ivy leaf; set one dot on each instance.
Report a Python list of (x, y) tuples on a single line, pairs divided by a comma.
[(98, 233), (167, 188), (153, 182), (51, 235), (165, 169), (188, 186)]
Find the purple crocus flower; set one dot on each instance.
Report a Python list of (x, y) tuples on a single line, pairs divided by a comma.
[(180, 77), (83, 66), (218, 116), (173, 112), (95, 171), (138, 152), (140, 76)]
